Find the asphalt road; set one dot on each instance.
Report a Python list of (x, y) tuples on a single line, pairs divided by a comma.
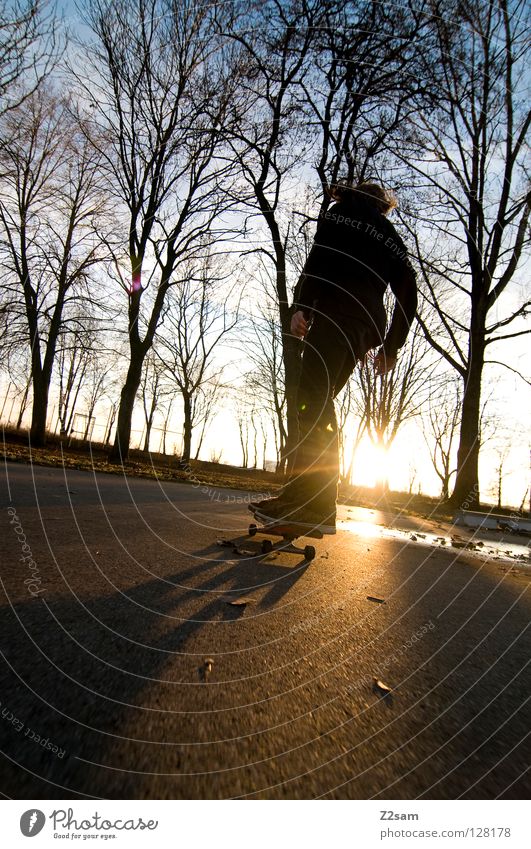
[(124, 594)]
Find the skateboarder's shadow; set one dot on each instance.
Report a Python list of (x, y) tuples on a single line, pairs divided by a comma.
[(79, 668), (269, 576)]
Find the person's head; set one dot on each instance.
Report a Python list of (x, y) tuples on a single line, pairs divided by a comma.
[(373, 193)]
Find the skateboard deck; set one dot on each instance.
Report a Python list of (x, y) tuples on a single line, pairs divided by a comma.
[(288, 532)]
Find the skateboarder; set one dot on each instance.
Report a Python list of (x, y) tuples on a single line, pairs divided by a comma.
[(339, 311)]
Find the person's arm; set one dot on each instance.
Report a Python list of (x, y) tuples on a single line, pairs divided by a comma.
[(315, 269), (305, 294), (404, 288)]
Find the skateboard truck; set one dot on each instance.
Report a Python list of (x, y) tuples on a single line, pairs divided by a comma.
[(288, 533)]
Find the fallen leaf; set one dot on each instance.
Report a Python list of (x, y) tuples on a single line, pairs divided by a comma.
[(206, 669), (376, 599), (240, 602), (413, 537), (381, 688)]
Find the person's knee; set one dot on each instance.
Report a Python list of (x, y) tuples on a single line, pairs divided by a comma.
[(317, 417), (312, 408)]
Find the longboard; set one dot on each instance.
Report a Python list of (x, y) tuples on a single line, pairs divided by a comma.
[(288, 532)]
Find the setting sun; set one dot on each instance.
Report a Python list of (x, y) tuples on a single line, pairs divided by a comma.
[(371, 464)]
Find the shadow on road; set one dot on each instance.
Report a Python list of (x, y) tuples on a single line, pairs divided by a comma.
[(76, 671)]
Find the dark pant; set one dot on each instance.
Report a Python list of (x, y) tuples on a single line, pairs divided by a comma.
[(331, 349)]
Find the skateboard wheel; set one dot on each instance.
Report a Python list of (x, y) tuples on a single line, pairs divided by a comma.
[(252, 529), (267, 546), (309, 552)]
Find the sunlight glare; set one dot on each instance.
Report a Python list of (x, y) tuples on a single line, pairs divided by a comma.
[(371, 464)]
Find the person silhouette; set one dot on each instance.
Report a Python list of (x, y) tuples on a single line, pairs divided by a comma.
[(339, 312)]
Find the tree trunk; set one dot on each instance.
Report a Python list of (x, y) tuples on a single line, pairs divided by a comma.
[(23, 405), (149, 420), (187, 429), (70, 424), (290, 345), (120, 449), (6, 396), (166, 424), (466, 489), (40, 410), (200, 443), (244, 443), (90, 415), (255, 444), (147, 437), (382, 482), (292, 366), (382, 486), (110, 422)]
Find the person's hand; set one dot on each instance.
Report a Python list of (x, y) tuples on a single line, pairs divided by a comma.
[(383, 362), (299, 325)]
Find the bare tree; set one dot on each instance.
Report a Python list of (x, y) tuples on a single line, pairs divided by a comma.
[(361, 85), (413, 471), (24, 400), (28, 49), (469, 153), (51, 212), (113, 411), (16, 367), (242, 418), (168, 408), (264, 441), (99, 382), (195, 323), (268, 144), (74, 354), (325, 84), (152, 391), (441, 426), (254, 423), (351, 429), (207, 398), (385, 402), (158, 91), (502, 453), (263, 349)]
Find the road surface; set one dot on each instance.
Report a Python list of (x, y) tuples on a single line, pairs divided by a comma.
[(127, 672)]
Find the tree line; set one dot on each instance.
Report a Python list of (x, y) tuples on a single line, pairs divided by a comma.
[(162, 167)]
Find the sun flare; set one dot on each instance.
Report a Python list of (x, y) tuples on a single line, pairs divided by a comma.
[(371, 464)]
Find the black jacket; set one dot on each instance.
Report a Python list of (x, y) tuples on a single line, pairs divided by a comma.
[(356, 253)]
